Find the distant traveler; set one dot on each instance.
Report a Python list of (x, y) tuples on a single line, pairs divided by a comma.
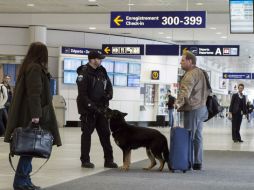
[(191, 100), (237, 109), (94, 92), (3, 115), (250, 108), (31, 104), (6, 83), (171, 103)]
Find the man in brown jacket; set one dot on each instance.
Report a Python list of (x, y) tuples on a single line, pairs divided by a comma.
[(191, 100)]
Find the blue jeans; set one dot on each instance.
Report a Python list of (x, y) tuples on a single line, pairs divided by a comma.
[(193, 120), (23, 170), (171, 117)]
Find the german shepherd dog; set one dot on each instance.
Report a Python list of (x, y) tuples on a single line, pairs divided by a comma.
[(129, 137)]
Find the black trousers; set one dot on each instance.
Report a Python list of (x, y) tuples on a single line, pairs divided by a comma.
[(89, 122), (236, 124)]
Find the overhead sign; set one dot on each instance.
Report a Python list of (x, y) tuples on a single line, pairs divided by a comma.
[(76, 51), (158, 19), (162, 50), (122, 49), (237, 75), (212, 50), (155, 75)]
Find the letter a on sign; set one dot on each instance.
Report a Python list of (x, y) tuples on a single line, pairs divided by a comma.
[(218, 51)]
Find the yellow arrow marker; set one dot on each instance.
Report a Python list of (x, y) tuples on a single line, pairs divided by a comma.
[(118, 20), (107, 50), (155, 75), (225, 76)]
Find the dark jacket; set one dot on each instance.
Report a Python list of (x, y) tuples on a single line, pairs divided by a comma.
[(32, 99), (235, 104), (94, 89), (171, 101)]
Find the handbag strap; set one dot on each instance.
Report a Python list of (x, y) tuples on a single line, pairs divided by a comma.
[(10, 160), (207, 80)]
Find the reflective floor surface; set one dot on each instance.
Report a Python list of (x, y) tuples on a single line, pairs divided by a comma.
[(64, 164)]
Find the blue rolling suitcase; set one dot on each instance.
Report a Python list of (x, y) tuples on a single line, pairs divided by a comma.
[(181, 149)]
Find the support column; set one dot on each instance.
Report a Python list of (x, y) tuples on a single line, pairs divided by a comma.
[(38, 34)]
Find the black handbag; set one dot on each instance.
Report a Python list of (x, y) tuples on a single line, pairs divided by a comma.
[(213, 107), (31, 141), (212, 104)]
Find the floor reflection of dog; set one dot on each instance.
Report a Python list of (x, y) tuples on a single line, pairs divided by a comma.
[(129, 137)]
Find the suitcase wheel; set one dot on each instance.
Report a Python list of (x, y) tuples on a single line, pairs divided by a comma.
[(173, 171), (184, 171)]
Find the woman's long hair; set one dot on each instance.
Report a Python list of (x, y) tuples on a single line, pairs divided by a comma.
[(37, 54)]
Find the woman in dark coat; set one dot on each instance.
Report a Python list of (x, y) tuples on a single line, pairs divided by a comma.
[(32, 102)]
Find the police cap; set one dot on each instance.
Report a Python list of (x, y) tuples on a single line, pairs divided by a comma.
[(93, 54)]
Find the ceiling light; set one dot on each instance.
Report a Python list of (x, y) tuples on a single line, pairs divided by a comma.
[(30, 5), (131, 4), (213, 28), (160, 32), (199, 4), (224, 37), (92, 28), (92, 0), (218, 33), (168, 37)]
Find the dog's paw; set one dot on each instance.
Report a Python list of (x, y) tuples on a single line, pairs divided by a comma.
[(147, 168), (124, 168)]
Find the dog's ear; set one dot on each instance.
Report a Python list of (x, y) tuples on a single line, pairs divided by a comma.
[(124, 114), (108, 110), (108, 113)]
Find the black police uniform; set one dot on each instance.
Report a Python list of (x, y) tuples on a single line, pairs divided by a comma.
[(94, 92)]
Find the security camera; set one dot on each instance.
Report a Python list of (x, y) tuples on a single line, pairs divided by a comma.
[(249, 56)]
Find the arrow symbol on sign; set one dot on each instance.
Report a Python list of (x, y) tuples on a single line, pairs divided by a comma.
[(225, 76), (107, 50), (117, 20)]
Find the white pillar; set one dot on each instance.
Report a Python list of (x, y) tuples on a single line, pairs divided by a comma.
[(38, 34)]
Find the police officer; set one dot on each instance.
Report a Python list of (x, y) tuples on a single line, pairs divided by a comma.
[(94, 92)]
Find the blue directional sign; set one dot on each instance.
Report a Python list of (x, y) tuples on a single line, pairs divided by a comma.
[(212, 50), (237, 75), (122, 49), (76, 51), (162, 49), (157, 19)]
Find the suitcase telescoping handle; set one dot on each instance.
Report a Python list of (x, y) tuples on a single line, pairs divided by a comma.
[(178, 115), (178, 118)]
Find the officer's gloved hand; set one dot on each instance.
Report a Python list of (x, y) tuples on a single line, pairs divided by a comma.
[(101, 110)]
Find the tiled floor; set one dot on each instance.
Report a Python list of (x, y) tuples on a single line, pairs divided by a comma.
[(64, 165)]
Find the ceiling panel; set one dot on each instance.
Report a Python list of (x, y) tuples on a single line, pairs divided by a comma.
[(105, 6)]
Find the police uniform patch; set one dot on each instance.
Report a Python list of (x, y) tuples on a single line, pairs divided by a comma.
[(80, 78)]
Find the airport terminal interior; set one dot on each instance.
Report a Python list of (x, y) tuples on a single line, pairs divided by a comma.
[(143, 42)]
